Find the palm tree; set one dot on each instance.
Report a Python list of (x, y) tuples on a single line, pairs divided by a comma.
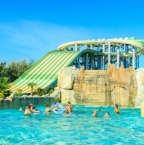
[(31, 85)]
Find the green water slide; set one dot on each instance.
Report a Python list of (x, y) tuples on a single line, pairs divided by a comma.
[(44, 72)]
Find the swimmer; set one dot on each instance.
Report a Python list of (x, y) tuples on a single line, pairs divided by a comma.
[(27, 110), (21, 109), (31, 106), (94, 114), (117, 110), (48, 109), (34, 110), (69, 107), (107, 114), (67, 113)]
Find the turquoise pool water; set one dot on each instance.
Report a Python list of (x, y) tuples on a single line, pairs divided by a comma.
[(79, 128)]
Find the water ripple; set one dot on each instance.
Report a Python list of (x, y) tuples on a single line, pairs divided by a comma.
[(79, 128)]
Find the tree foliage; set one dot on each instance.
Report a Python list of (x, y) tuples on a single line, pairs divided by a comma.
[(18, 92), (15, 69), (31, 85), (10, 72), (3, 86), (39, 91)]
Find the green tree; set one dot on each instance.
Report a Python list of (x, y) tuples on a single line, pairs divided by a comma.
[(3, 69), (3, 86), (19, 92), (40, 91), (31, 63), (14, 69), (51, 90), (31, 85)]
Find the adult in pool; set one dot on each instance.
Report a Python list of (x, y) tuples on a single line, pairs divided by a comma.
[(117, 110), (34, 110), (69, 108), (48, 109), (27, 110)]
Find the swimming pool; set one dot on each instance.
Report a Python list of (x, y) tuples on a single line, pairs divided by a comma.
[(79, 128)]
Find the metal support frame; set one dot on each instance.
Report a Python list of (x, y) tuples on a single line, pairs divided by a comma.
[(133, 58), (109, 44), (103, 58), (118, 56), (79, 62), (86, 61), (76, 47), (102, 61)]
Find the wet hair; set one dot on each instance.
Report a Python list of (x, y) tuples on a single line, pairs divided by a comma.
[(29, 106), (116, 105), (66, 112), (69, 103), (34, 107), (47, 105), (108, 113)]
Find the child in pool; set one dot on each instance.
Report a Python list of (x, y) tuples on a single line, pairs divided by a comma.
[(94, 114), (107, 114)]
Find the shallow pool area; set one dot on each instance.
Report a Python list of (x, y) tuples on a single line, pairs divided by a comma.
[(79, 128)]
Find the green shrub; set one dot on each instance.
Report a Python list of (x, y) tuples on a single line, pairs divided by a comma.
[(2, 95), (18, 92), (51, 91)]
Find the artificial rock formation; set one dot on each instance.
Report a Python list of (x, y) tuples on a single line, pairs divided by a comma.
[(140, 81), (121, 86), (142, 109), (66, 77), (65, 82)]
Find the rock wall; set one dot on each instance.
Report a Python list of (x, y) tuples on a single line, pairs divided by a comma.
[(17, 102), (123, 85), (65, 83), (140, 92), (99, 87)]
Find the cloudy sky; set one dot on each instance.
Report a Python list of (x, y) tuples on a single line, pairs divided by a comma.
[(31, 28)]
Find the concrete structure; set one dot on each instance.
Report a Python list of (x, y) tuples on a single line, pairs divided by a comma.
[(14, 102)]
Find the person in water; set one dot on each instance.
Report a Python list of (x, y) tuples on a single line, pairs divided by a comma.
[(117, 110), (31, 106), (27, 110), (21, 109), (107, 114), (34, 110), (69, 108), (94, 114), (48, 109)]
